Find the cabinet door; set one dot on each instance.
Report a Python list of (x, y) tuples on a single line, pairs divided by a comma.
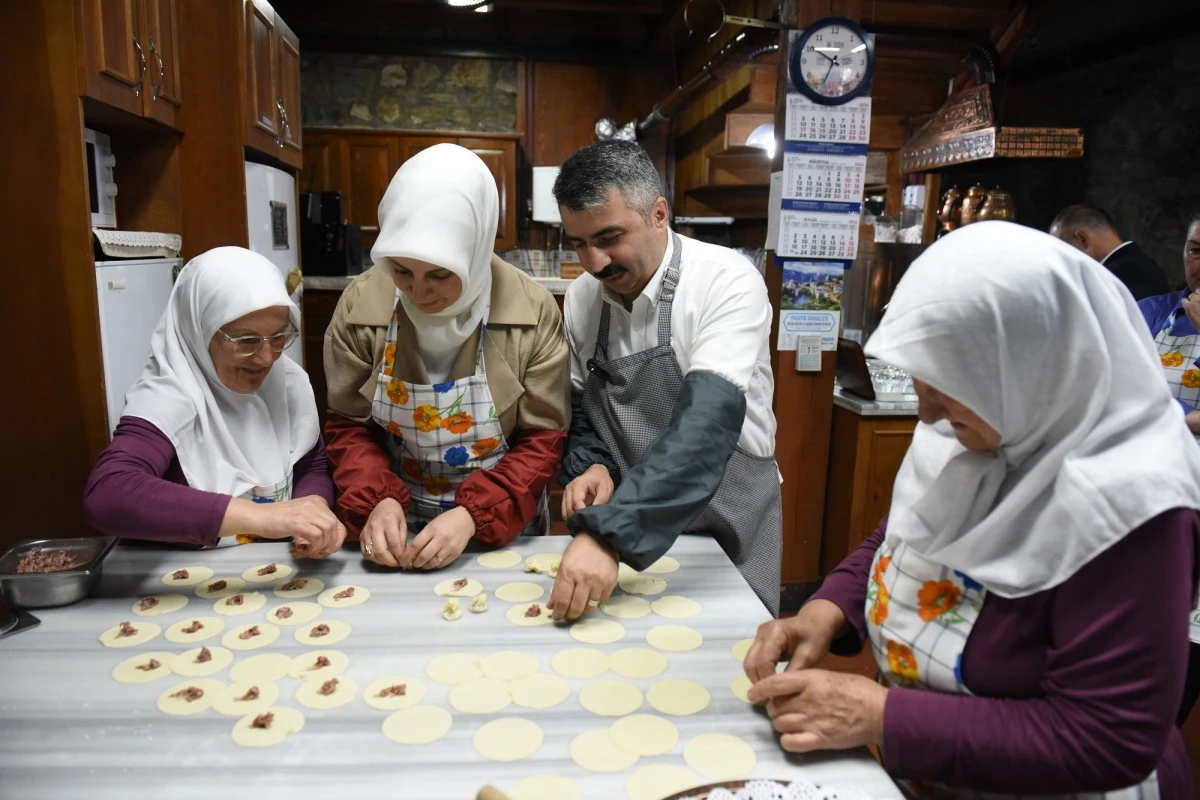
[(161, 98), (287, 76), (500, 155), (370, 161), (262, 114), (411, 145), (115, 57), (324, 168)]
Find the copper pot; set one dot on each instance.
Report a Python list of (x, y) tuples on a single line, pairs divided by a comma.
[(999, 205), (972, 203), (951, 208)]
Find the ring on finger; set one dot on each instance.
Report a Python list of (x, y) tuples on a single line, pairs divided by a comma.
[(367, 548), (593, 603), (437, 559)]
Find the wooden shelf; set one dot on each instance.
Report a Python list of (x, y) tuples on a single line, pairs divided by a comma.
[(745, 201)]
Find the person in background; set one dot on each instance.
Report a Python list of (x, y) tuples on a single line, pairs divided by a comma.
[(1093, 231), (447, 373), (219, 441), (672, 428), (1027, 597)]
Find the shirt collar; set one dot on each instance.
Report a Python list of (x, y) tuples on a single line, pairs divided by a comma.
[(1115, 249), (652, 290)]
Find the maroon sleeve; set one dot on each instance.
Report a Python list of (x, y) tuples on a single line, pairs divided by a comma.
[(1117, 652), (501, 500), (311, 474), (362, 472), (128, 495), (846, 588)]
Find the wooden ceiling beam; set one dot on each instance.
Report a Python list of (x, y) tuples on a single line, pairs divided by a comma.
[(942, 14)]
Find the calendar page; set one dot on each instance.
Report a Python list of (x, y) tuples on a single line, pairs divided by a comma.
[(846, 124), (831, 178), (807, 233)]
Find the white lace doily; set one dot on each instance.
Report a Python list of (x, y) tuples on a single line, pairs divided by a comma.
[(796, 790), (138, 244)]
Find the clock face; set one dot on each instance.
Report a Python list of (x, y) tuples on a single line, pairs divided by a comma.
[(835, 60)]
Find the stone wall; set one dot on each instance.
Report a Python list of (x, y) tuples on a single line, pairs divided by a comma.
[(408, 92)]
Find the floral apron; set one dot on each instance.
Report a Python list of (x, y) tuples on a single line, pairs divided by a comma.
[(919, 617), (439, 434), (276, 493)]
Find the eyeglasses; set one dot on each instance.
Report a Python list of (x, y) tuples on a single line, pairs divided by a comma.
[(246, 346)]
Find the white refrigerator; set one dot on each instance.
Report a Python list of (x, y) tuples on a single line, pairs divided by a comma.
[(272, 220)]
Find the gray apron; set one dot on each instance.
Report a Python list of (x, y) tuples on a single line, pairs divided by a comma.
[(631, 406)]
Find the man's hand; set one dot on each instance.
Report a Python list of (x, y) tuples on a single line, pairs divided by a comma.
[(593, 488), (442, 541), (1192, 418), (586, 577), (383, 537), (802, 640), (1191, 307), (816, 709)]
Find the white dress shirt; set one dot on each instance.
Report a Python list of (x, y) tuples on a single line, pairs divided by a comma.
[(720, 323)]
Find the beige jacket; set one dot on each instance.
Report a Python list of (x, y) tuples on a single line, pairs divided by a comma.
[(525, 353)]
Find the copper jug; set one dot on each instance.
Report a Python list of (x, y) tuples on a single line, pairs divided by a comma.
[(972, 203), (950, 211), (999, 205)]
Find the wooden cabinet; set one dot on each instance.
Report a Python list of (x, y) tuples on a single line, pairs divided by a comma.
[(272, 84), (372, 161), (287, 71), (501, 158)]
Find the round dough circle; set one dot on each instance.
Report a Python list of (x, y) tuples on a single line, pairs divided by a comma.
[(508, 665), (260, 669), (338, 631), (302, 665), (644, 734), (545, 787), (740, 686), (446, 588), (539, 691), (145, 632), (302, 613), (167, 603), (677, 697), (643, 584), (638, 663), (311, 586), (308, 694), (580, 662), (500, 559), (610, 698), (417, 725), (625, 571), (508, 739), (595, 751), (211, 627), (516, 615), (229, 701), (519, 592), (127, 671), (185, 663), (195, 575), (657, 781), (360, 596), (414, 692), (267, 634), (282, 573), (178, 707), (454, 668), (287, 721), (594, 630), (625, 606), (251, 602), (480, 696), (719, 756), (232, 586), (674, 606), (674, 638), (663, 566), (543, 563), (740, 648)]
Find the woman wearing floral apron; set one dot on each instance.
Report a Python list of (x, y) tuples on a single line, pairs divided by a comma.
[(1027, 597), (448, 376)]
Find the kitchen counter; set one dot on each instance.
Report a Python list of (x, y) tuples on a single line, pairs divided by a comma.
[(336, 283), (71, 731), (874, 408)]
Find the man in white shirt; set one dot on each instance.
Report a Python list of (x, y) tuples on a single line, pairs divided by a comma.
[(1093, 231), (672, 427)]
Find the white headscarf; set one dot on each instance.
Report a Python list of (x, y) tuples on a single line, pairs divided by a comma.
[(1050, 350), (442, 207), (226, 442)]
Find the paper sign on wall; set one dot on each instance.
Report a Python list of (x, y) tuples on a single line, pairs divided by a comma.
[(810, 303)]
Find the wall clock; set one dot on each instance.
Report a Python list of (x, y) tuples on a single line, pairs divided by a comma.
[(832, 61)]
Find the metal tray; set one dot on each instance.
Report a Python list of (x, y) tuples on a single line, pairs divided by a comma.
[(49, 589)]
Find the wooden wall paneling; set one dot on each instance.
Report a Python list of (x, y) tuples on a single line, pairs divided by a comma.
[(110, 67), (501, 158), (325, 165), (148, 174), (318, 313), (372, 160)]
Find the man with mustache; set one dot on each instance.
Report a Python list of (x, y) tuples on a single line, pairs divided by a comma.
[(672, 429)]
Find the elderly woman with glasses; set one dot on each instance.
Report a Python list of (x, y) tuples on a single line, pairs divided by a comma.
[(219, 442)]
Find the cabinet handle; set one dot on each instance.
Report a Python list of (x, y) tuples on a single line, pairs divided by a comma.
[(285, 130), (137, 87), (162, 71)]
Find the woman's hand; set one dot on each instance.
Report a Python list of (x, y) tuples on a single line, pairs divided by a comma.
[(593, 488), (306, 520), (1191, 307), (816, 709), (383, 538), (442, 541), (802, 640)]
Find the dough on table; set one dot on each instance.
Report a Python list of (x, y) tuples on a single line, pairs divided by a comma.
[(187, 576), (219, 587), (610, 698), (519, 592), (656, 781), (129, 634), (638, 663), (674, 638), (296, 588), (508, 739), (246, 698), (643, 584), (240, 604), (480, 696), (740, 686), (740, 648), (251, 636), (679, 698), (662, 566), (458, 587), (322, 633), (544, 564), (508, 665), (268, 573), (596, 751), (189, 697), (294, 613), (673, 606), (144, 667), (500, 559), (625, 606), (644, 734), (417, 725), (593, 630), (624, 571), (281, 724), (479, 603), (580, 662), (452, 610), (343, 596), (539, 691), (545, 787), (323, 693), (262, 668), (195, 629), (155, 604), (719, 756), (528, 615), (455, 668), (394, 692), (201, 661), (310, 666)]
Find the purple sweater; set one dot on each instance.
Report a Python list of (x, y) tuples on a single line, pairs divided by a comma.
[(1074, 688), (137, 489)]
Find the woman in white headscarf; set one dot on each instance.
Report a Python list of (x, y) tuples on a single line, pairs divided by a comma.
[(219, 441), (448, 376), (1027, 599)]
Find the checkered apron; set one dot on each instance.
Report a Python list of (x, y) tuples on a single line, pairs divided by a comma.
[(439, 434), (919, 617), (275, 493), (630, 401)]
